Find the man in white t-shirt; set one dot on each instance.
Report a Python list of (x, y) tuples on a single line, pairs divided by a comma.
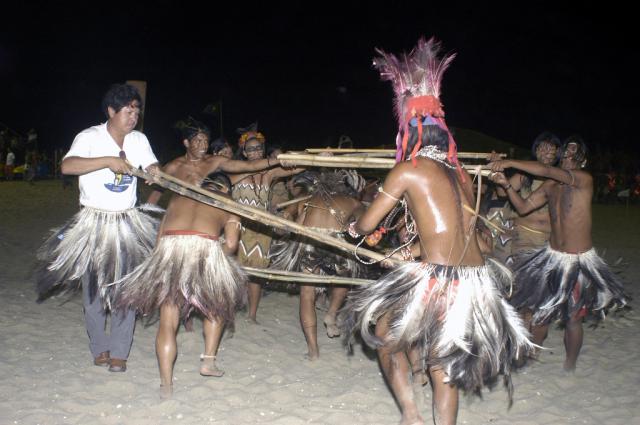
[(109, 237)]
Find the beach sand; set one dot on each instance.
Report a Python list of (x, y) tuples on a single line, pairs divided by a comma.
[(47, 375)]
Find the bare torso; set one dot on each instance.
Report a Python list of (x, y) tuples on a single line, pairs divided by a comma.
[(537, 219), (443, 225), (316, 213), (187, 214), (570, 213)]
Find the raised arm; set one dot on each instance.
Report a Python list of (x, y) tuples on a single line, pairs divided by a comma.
[(280, 172), (537, 169), (523, 206), (236, 166)]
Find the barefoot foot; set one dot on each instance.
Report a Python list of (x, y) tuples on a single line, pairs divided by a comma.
[(166, 392), (332, 327), (208, 366), (312, 356)]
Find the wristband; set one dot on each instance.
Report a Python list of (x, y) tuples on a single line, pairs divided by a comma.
[(508, 187), (351, 230)]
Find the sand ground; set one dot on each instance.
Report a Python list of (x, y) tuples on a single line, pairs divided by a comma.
[(47, 376)]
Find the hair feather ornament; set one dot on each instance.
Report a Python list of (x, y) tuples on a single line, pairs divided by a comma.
[(416, 79)]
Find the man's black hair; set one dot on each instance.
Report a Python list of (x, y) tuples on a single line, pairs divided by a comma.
[(219, 178), (271, 148), (218, 144), (581, 154), (431, 135), (546, 137), (118, 96), (191, 128)]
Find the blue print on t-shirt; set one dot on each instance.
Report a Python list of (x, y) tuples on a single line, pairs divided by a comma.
[(120, 183)]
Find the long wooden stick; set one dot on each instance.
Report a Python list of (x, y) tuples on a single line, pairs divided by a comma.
[(293, 201), (392, 152), (298, 277), (216, 200), (356, 162), (484, 219)]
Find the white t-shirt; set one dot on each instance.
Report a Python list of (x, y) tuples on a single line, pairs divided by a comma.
[(103, 189), (11, 158)]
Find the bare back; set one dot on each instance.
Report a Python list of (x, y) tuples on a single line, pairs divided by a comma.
[(187, 214), (316, 213), (435, 196)]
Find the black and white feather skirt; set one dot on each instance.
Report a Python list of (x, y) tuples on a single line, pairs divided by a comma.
[(556, 284), (455, 316), (298, 254), (189, 271), (105, 244)]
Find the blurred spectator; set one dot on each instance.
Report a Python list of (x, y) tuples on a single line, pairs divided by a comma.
[(9, 165)]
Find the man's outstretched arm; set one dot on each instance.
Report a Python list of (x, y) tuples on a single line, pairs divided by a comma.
[(523, 206), (535, 168)]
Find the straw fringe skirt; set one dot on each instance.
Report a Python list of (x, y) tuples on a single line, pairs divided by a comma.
[(455, 316), (189, 271), (105, 244)]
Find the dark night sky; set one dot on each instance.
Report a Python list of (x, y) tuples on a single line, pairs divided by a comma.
[(304, 72)]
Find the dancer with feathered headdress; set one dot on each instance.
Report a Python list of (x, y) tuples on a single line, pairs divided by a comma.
[(334, 202), (447, 306)]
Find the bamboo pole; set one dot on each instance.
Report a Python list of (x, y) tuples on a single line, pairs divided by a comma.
[(219, 201), (392, 152), (293, 201), (348, 150), (298, 277), (356, 162), (484, 219)]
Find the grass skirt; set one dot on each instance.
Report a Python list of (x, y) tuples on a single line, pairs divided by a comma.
[(189, 271), (455, 316), (556, 284), (105, 244)]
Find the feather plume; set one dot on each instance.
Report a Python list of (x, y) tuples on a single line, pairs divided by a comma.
[(418, 73)]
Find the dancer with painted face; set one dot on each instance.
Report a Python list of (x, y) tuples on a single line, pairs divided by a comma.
[(253, 189), (532, 230), (448, 305), (566, 278), (190, 268)]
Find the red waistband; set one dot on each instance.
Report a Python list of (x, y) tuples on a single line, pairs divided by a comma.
[(189, 232)]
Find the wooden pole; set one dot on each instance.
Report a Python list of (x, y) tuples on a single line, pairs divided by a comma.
[(392, 152), (298, 277), (219, 201), (484, 219), (293, 201), (356, 162)]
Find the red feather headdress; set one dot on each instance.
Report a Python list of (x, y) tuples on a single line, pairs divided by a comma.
[(416, 79)]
